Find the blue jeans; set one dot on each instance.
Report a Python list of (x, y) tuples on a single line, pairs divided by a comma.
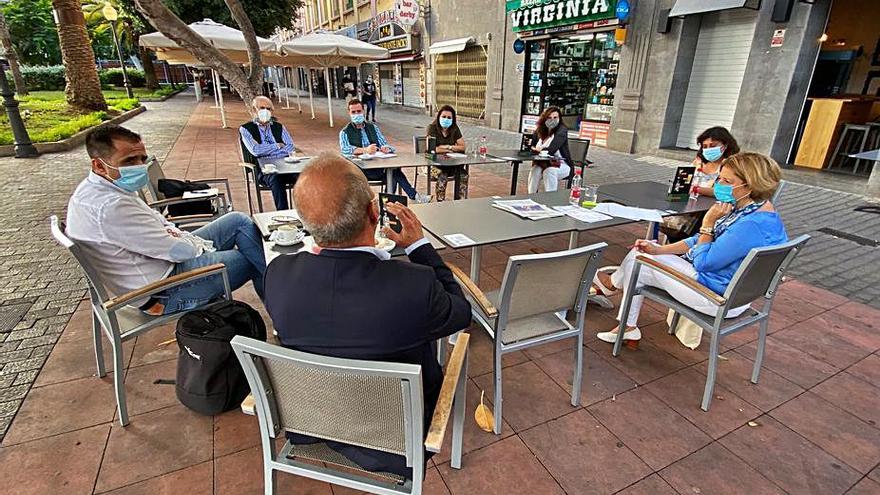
[(370, 108), (239, 247), (398, 180)]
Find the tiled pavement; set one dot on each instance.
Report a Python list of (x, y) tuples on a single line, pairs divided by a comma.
[(640, 429)]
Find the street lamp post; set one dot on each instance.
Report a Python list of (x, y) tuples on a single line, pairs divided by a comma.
[(23, 146), (111, 15)]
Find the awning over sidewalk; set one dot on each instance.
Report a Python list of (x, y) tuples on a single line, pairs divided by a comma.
[(450, 46), (689, 7), (408, 58)]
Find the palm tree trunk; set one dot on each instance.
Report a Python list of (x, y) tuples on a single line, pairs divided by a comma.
[(83, 88), (151, 81), (12, 57)]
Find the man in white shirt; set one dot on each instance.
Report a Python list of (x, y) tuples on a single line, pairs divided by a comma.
[(132, 245)]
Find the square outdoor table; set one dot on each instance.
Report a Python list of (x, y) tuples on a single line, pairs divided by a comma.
[(402, 160), (515, 157), (442, 160), (284, 167), (271, 250)]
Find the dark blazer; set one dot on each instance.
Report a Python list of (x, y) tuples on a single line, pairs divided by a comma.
[(559, 143), (351, 304)]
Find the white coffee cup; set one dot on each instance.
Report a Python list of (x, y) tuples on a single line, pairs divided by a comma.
[(544, 153), (288, 234)]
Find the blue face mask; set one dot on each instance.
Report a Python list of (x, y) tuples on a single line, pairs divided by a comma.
[(445, 122), (357, 118), (132, 178), (724, 193), (714, 153)]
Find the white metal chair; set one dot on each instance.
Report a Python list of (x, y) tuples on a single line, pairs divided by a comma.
[(758, 276), (221, 204), (371, 404), (777, 193), (120, 321), (530, 308)]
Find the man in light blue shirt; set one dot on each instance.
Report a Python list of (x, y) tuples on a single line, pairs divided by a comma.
[(359, 138), (265, 137)]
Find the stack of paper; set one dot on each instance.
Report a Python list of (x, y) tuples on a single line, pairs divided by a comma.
[(582, 214), (630, 212), (456, 155), (201, 193), (380, 154), (527, 208)]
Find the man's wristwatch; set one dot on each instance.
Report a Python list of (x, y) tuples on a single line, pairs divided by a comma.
[(707, 231)]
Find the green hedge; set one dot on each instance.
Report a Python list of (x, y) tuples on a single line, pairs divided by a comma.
[(51, 78), (113, 77)]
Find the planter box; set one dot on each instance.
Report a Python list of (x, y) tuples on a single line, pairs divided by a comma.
[(75, 140)]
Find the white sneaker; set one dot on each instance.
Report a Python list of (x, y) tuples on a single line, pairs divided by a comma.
[(422, 198), (611, 337)]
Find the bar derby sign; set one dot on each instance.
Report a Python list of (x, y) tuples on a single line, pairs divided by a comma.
[(529, 15)]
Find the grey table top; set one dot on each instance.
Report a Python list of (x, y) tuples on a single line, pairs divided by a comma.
[(484, 224), (648, 194), (442, 160), (868, 155), (284, 167), (402, 160), (272, 250), (513, 155)]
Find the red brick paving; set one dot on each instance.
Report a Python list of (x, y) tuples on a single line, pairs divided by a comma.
[(639, 430)]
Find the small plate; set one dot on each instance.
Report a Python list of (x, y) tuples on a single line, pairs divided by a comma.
[(285, 219), (385, 244), (288, 244), (290, 159)]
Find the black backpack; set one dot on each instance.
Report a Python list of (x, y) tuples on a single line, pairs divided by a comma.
[(210, 379), (173, 188)]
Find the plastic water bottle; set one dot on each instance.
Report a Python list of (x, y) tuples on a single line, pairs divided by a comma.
[(576, 183), (484, 147), (698, 179)]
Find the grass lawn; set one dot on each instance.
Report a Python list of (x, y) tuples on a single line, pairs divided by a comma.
[(48, 117)]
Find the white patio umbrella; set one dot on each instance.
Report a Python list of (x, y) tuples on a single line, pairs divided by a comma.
[(326, 50), (228, 40)]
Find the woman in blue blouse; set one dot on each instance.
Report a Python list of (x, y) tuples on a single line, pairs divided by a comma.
[(742, 218)]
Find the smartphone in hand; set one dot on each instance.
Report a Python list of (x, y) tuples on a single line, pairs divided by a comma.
[(387, 216)]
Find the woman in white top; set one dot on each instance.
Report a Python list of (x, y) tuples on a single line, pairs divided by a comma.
[(550, 139), (716, 144)]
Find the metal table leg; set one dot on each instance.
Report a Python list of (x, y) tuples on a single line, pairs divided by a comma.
[(455, 183), (389, 181), (514, 177), (476, 256), (573, 239)]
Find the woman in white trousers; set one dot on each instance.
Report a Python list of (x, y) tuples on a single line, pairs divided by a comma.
[(550, 141)]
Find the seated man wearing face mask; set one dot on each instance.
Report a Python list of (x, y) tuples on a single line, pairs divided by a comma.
[(265, 137), (132, 245)]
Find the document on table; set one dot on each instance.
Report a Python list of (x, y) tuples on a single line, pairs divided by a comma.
[(630, 212), (459, 240), (456, 155), (526, 208), (201, 193), (379, 154), (582, 214)]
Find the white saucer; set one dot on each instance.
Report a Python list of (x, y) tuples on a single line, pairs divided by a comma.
[(289, 159), (286, 244), (385, 244)]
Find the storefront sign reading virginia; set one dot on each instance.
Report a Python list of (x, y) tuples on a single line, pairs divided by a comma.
[(528, 15)]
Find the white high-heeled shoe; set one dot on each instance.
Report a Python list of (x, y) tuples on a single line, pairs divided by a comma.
[(633, 336)]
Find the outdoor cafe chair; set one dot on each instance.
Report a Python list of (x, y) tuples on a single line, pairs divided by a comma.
[(758, 276), (420, 145), (118, 320), (530, 309), (774, 200), (578, 148), (221, 203), (372, 404)]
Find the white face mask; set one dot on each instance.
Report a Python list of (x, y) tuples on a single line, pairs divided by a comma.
[(264, 115)]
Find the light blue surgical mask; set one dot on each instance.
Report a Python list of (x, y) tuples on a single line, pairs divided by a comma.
[(445, 122), (132, 178), (357, 118), (714, 153), (724, 193)]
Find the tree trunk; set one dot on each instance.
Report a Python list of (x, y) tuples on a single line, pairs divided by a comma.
[(83, 88), (12, 57), (248, 85), (151, 81)]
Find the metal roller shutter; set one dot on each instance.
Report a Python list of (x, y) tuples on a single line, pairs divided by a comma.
[(461, 81), (716, 77), (386, 83), (412, 96)]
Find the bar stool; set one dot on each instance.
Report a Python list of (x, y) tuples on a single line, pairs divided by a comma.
[(852, 140)]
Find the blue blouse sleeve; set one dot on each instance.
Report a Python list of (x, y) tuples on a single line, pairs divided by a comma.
[(731, 246)]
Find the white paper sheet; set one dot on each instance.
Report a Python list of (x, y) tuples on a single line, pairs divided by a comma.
[(379, 154), (203, 193), (630, 212), (582, 214), (452, 154), (459, 240)]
